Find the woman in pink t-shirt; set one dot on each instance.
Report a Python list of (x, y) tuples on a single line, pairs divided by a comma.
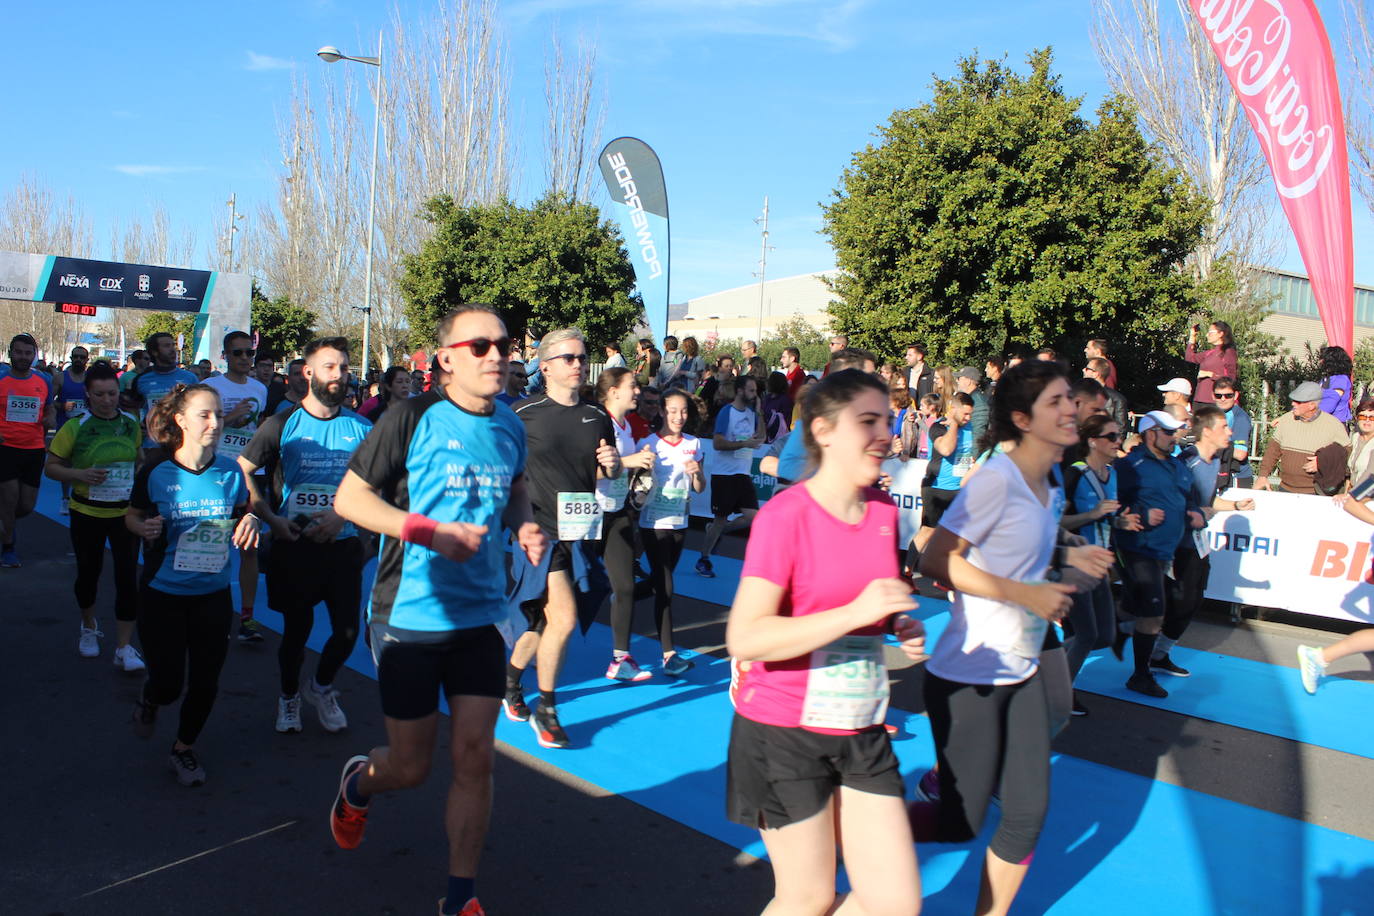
[(818, 590)]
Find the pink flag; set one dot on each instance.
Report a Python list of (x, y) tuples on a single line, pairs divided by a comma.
[(1278, 59)]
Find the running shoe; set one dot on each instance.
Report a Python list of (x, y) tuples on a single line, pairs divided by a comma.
[(544, 721), (890, 728), (1144, 683), (1167, 666), (928, 786), (1078, 708), (676, 666), (89, 643), (347, 822), (704, 568), (626, 669), (471, 908), (187, 768), (1119, 640), (249, 630), (326, 703), (65, 508), (10, 559), (289, 714), (144, 718), (127, 659), (1311, 666), (514, 705)]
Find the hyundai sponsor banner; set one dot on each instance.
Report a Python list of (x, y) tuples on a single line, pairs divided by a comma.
[(1278, 59), (219, 300), (634, 179), (1298, 553)]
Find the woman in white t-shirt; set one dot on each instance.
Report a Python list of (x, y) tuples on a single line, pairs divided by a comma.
[(677, 470), (618, 392), (987, 705)]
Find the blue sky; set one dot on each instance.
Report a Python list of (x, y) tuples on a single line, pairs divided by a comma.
[(126, 104)]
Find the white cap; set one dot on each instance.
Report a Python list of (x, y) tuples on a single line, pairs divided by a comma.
[(1159, 418), (1180, 385)]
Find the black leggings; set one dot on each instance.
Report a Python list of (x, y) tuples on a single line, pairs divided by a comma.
[(1093, 617), (89, 535), (302, 574), (175, 630), (986, 735), (618, 544), (1185, 589), (664, 548)]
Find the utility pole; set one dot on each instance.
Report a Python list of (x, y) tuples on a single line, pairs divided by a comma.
[(234, 217), (762, 272)]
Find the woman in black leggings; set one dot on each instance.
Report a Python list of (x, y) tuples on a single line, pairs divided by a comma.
[(663, 520), (987, 704), (618, 391), (191, 508)]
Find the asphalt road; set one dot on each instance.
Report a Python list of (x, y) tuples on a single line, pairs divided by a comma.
[(95, 823)]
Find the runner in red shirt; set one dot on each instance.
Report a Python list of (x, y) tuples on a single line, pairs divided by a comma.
[(27, 412), (791, 367)]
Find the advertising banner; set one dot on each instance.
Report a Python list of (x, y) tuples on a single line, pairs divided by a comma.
[(1298, 553), (1278, 59), (634, 179)]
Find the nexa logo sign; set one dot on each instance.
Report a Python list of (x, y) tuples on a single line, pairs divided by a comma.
[(113, 284), (75, 280), (644, 237)]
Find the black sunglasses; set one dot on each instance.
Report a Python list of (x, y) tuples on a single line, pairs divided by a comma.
[(1223, 394), (571, 358), (241, 352), (1110, 437), (480, 346)]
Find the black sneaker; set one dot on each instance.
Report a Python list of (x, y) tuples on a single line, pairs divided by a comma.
[(1119, 640), (1167, 666), (1078, 708), (144, 719), (544, 721), (1144, 683), (187, 768), (249, 630), (516, 709)]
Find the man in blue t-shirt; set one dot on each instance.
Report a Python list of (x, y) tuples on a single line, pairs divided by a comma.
[(71, 402), (316, 554), (1235, 467), (440, 477), (951, 460), (162, 376)]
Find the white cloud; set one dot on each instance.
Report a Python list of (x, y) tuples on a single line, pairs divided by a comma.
[(141, 171), (258, 61)]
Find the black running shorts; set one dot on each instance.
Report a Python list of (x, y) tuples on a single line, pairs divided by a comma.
[(413, 668), (731, 493), (778, 776), (934, 504), (22, 464)]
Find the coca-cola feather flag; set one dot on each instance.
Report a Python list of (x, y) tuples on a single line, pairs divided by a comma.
[(1278, 59)]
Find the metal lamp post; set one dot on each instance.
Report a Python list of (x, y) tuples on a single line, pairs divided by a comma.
[(329, 54)]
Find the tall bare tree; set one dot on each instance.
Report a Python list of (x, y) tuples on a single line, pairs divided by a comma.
[(1163, 62), (1359, 97), (576, 112), (34, 220)]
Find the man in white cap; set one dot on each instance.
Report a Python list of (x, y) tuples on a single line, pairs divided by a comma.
[(1299, 436), (1177, 391), (1159, 488)]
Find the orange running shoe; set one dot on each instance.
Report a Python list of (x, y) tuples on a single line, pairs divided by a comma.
[(471, 908), (347, 822)]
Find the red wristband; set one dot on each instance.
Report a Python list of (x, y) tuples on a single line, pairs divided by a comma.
[(419, 529)]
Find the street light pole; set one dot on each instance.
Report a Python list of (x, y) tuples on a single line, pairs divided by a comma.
[(330, 54)]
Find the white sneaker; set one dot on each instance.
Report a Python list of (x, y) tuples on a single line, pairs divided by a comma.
[(128, 660), (65, 508), (326, 703), (289, 714), (89, 644), (1311, 666)]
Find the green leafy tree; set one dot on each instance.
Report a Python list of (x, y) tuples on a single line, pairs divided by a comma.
[(173, 323), (996, 215), (283, 327), (554, 264)]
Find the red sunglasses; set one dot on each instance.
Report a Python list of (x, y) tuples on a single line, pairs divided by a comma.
[(480, 346)]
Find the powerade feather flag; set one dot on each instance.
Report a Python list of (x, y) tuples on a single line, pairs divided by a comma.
[(634, 179)]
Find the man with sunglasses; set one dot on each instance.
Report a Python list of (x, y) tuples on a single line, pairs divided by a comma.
[(441, 477), (244, 400), (1235, 462), (571, 445), (516, 380), (1159, 488)]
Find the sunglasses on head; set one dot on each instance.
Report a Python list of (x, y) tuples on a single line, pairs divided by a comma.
[(242, 352), (480, 346), (1110, 437), (570, 358)]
